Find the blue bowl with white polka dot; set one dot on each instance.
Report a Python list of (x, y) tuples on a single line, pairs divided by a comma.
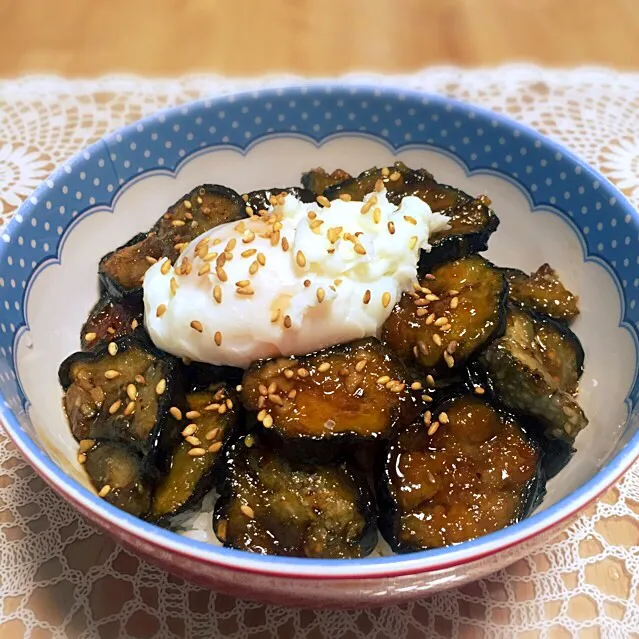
[(553, 208)]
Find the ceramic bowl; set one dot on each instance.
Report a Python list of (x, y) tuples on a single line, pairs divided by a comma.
[(553, 208)]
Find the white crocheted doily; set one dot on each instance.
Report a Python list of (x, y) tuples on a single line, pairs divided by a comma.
[(59, 578)]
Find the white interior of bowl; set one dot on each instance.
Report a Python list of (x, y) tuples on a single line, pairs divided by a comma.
[(63, 293)]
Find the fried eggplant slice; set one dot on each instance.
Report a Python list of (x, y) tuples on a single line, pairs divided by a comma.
[(208, 421), (471, 223), (347, 393), (261, 200), (534, 369), (123, 392), (454, 313), (121, 272), (269, 505), (542, 292), (476, 473), (117, 473), (110, 319), (318, 180), (200, 376)]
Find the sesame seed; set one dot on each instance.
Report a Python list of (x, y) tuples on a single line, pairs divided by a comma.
[(248, 236), (450, 361), (285, 244), (130, 409), (276, 399), (180, 246), (320, 295), (288, 373), (178, 223), (323, 367), (81, 458), (416, 386), (248, 511), (246, 290), (89, 337), (430, 380), (268, 422), (361, 365), (160, 310), (433, 428), (221, 274), (220, 531), (197, 326), (204, 270), (386, 299), (134, 324), (410, 219), (413, 242), (160, 386), (86, 444), (420, 303), (302, 372), (230, 245), (217, 293), (437, 339), (275, 238), (453, 292), (196, 452), (430, 319), (443, 418), (379, 185), (189, 430), (287, 321), (212, 434), (275, 315), (427, 417), (229, 404), (111, 374), (112, 348), (218, 338), (454, 303), (377, 215), (187, 204), (261, 259), (394, 176), (131, 391), (176, 412), (333, 233), (261, 415), (104, 491), (479, 390), (248, 252), (441, 321), (391, 228), (367, 297), (385, 171), (215, 447), (300, 258), (115, 407), (384, 379), (194, 441), (150, 260), (427, 398), (359, 249), (452, 347), (323, 201), (431, 297), (242, 283), (209, 257)]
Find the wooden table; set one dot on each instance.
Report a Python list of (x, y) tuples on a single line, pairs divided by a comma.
[(245, 37), (318, 37)]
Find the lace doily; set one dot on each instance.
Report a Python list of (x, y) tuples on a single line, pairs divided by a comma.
[(59, 578)]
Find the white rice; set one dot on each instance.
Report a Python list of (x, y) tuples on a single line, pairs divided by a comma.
[(198, 525)]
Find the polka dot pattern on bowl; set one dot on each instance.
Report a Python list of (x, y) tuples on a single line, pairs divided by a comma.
[(603, 220)]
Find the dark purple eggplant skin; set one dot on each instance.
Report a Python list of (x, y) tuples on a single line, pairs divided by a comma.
[(161, 239), (198, 376), (155, 449), (365, 498), (122, 316), (259, 200), (388, 508)]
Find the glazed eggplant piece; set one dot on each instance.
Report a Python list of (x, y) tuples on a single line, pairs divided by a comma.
[(111, 319), (542, 292), (261, 200), (270, 505), (123, 392), (318, 180), (534, 370), (475, 473), (455, 312), (122, 271), (471, 223), (200, 376), (343, 394), (117, 473), (208, 424)]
